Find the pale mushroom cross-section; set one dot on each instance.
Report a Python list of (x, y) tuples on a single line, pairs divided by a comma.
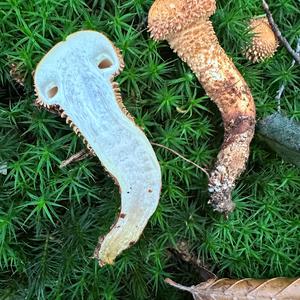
[(75, 78)]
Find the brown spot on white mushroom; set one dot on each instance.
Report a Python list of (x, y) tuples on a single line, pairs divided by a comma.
[(190, 34)]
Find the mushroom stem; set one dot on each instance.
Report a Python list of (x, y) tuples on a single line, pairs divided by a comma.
[(197, 45)]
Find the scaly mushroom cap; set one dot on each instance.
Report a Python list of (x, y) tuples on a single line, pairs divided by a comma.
[(264, 43), (170, 16)]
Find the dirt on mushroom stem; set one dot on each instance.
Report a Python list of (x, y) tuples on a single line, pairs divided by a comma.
[(198, 46)]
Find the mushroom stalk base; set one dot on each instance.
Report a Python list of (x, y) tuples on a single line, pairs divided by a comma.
[(198, 46)]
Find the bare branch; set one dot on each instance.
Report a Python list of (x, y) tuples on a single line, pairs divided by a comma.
[(182, 157), (282, 87), (74, 158), (278, 33)]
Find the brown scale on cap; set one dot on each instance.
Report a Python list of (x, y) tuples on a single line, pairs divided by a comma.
[(169, 16), (185, 25), (264, 42)]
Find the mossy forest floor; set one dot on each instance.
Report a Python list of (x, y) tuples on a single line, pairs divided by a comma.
[(50, 218)]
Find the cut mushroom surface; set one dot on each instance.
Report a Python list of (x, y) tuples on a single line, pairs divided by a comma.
[(75, 78)]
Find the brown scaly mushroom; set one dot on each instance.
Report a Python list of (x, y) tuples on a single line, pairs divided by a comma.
[(186, 26), (264, 42)]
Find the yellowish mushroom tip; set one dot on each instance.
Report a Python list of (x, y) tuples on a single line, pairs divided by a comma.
[(170, 16), (264, 43)]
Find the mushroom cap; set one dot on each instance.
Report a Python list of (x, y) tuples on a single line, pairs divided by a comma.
[(264, 43), (90, 46), (170, 16)]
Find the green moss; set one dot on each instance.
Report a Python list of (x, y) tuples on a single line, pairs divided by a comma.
[(50, 218)]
